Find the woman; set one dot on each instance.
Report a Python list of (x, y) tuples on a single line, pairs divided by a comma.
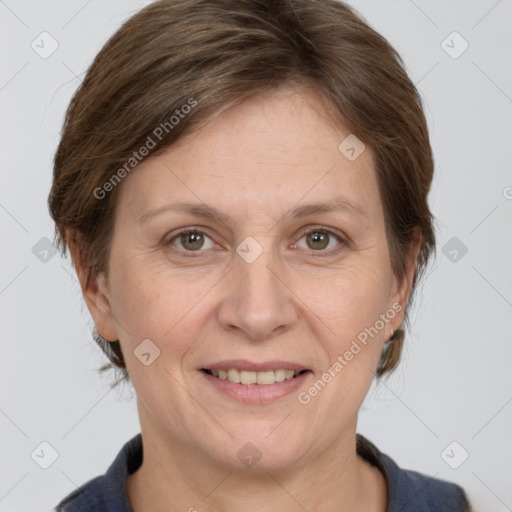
[(242, 187)]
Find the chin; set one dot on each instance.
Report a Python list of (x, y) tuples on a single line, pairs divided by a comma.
[(261, 447)]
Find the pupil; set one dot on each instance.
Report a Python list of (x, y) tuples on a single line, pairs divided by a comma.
[(318, 240), (192, 241)]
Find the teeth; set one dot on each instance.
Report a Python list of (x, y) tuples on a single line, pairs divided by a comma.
[(247, 377), (280, 375), (289, 374), (234, 375), (266, 377)]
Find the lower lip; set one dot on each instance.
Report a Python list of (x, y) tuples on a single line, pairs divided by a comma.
[(257, 393)]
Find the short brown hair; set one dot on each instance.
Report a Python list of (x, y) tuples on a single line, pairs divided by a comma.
[(220, 53)]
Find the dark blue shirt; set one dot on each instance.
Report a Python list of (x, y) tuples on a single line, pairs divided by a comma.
[(408, 491)]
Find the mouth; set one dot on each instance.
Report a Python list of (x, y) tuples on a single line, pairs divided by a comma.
[(250, 382), (248, 377)]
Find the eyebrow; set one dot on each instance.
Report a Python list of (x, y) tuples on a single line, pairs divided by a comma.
[(203, 211)]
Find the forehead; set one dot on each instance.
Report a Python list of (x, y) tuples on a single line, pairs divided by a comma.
[(274, 151)]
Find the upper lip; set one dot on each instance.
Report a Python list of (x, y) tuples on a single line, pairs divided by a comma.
[(252, 366)]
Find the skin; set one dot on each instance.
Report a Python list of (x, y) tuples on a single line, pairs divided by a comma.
[(254, 162)]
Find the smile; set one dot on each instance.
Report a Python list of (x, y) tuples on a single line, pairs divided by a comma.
[(252, 382), (247, 377)]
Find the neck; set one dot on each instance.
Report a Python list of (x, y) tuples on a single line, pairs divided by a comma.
[(186, 479)]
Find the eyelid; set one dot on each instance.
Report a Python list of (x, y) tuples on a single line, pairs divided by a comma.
[(343, 239), (170, 237)]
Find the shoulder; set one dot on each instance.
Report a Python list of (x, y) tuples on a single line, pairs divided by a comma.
[(86, 497), (107, 492), (411, 490)]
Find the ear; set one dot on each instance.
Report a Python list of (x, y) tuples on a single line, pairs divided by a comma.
[(402, 291), (94, 289)]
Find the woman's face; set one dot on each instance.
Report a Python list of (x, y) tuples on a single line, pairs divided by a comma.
[(255, 244)]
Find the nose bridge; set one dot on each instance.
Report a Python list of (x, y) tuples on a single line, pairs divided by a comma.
[(256, 301)]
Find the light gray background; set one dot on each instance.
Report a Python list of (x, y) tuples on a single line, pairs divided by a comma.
[(455, 380)]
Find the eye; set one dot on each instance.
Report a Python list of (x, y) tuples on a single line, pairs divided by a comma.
[(192, 240), (320, 240)]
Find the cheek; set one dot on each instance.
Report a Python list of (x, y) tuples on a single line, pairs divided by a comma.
[(346, 314), (347, 302), (153, 302), (170, 306)]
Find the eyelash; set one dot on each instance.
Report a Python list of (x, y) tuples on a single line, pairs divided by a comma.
[(342, 242)]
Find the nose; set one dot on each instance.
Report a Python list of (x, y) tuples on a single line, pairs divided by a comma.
[(256, 301)]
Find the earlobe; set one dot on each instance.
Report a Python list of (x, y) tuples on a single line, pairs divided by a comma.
[(95, 291), (97, 300)]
